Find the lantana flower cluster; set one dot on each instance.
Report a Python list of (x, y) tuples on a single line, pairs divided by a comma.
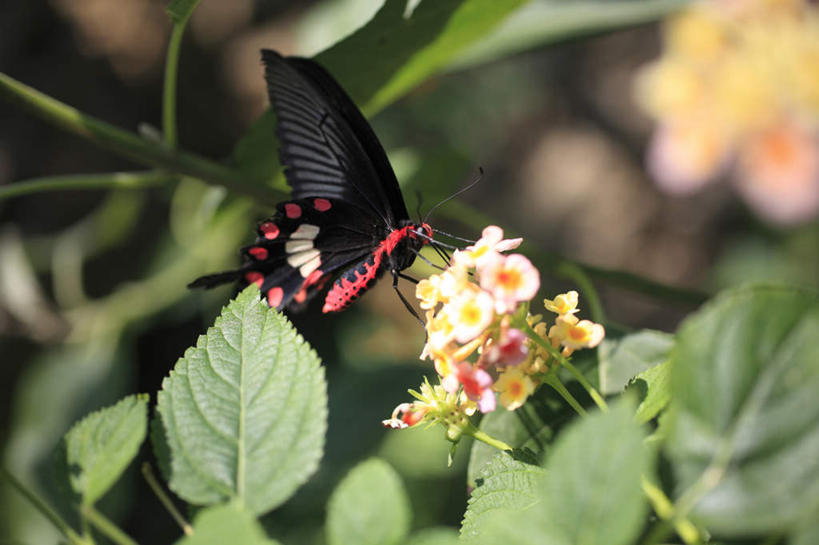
[(486, 348), (736, 92)]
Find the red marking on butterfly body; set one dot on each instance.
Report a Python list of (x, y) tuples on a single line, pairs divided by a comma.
[(358, 279)]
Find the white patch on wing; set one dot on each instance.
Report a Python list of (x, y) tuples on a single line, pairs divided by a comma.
[(296, 246), (307, 269), (305, 231), (298, 259)]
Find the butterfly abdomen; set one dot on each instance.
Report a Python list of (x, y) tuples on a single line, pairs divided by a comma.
[(355, 281)]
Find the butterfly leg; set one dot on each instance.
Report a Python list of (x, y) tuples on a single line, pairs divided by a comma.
[(395, 276)]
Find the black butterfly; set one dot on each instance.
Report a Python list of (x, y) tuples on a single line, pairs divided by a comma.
[(347, 218)]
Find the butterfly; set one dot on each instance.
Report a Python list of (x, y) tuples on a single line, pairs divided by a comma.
[(346, 223)]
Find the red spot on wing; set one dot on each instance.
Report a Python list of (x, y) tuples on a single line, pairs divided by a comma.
[(313, 278), (322, 205), (254, 277), (269, 229), (258, 252), (274, 296), (292, 211), (301, 295)]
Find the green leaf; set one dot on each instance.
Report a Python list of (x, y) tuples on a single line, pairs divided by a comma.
[(385, 59), (591, 492), (245, 411), (180, 10), (434, 536), (504, 483), (229, 523), (509, 427), (745, 427), (100, 446), (658, 387), (541, 22), (623, 359), (369, 507)]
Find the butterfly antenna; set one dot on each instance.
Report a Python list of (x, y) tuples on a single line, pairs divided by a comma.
[(459, 192), (454, 236), (436, 242)]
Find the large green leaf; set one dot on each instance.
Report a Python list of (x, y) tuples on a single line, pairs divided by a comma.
[(369, 507), (623, 359), (223, 524), (520, 429), (542, 22), (504, 483), (745, 410), (100, 446), (434, 536), (591, 492), (245, 411), (385, 59)]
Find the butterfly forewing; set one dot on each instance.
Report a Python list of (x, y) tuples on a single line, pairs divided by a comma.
[(326, 146)]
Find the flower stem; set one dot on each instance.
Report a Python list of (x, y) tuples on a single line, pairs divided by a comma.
[(128, 144), (106, 527), (552, 380), (488, 439), (171, 77), (665, 510), (593, 393), (44, 509), (111, 180)]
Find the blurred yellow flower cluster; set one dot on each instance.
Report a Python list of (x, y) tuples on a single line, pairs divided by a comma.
[(736, 92)]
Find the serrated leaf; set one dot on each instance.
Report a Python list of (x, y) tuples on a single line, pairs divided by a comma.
[(623, 359), (434, 536), (223, 524), (744, 383), (245, 411), (385, 59), (101, 445), (180, 10), (658, 391), (504, 483), (369, 507), (591, 489)]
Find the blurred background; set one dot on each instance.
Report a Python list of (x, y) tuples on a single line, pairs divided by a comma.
[(585, 155)]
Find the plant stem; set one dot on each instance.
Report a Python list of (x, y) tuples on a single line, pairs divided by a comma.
[(665, 510), (44, 509), (488, 439), (106, 527), (111, 180), (148, 473), (552, 380), (170, 83), (593, 393), (129, 144)]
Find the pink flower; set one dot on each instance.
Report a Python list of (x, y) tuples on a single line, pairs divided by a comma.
[(509, 279), (511, 350), (477, 386), (490, 243), (778, 173), (684, 157)]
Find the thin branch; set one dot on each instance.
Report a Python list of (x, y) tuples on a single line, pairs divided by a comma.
[(110, 180), (129, 144)]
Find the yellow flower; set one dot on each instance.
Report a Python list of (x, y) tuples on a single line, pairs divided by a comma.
[(470, 313), (575, 335), (428, 292), (514, 388), (565, 303)]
